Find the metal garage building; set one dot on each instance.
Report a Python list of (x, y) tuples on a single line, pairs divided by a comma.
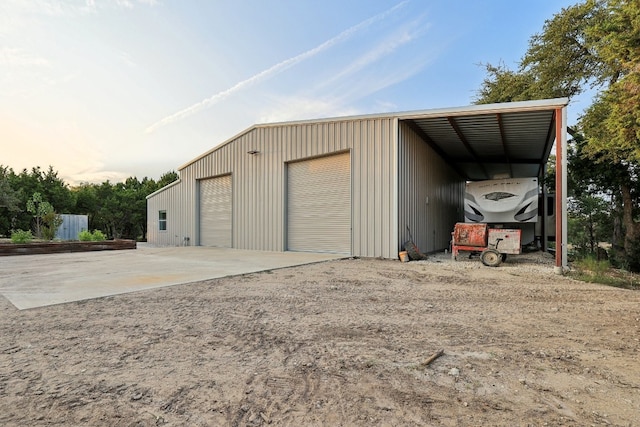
[(353, 185)]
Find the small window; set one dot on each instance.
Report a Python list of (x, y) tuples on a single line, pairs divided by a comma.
[(162, 220)]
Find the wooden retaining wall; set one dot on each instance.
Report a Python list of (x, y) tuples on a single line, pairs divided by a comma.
[(8, 249)]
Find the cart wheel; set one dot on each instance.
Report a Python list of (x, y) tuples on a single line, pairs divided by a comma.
[(491, 257)]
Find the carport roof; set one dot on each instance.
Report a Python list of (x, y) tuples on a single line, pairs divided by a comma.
[(493, 140)]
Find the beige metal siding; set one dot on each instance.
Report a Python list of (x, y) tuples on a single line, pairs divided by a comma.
[(319, 205), (179, 208), (215, 212), (259, 183), (431, 194)]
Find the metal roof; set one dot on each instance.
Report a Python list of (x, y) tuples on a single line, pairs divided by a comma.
[(509, 139), (490, 141)]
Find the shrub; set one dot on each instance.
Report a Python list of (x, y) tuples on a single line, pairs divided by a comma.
[(51, 221), (592, 265), (84, 236), (98, 236), (87, 236), (20, 236), (591, 270)]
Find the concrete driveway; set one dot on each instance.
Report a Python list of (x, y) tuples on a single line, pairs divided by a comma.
[(30, 281)]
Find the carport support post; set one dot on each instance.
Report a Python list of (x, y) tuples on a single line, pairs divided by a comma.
[(561, 190)]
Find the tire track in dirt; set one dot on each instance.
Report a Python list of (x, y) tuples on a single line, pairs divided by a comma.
[(337, 343)]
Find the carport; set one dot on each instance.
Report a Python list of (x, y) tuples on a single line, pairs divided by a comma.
[(512, 140)]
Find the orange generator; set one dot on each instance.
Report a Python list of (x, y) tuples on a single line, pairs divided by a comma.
[(493, 244)]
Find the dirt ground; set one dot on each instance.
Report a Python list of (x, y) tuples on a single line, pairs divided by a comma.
[(337, 343)]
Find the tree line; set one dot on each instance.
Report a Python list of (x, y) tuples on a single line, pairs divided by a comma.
[(594, 44), (119, 210)]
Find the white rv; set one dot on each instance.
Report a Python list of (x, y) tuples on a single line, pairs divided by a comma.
[(502, 200), (510, 203)]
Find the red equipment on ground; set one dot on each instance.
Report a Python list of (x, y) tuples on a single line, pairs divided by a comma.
[(493, 244)]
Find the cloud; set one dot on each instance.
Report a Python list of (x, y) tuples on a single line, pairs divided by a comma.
[(386, 106), (270, 72), (93, 6), (357, 79), (44, 7), (66, 7), (126, 59), (340, 104), (300, 108), (124, 3), (93, 176), (385, 48), (16, 57)]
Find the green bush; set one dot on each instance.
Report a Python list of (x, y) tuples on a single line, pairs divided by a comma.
[(591, 264), (84, 236), (20, 236), (98, 236), (591, 270), (51, 221), (87, 236)]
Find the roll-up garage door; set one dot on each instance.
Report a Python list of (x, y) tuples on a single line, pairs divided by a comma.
[(319, 205), (215, 212)]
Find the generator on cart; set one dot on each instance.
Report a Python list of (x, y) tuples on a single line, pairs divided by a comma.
[(493, 244)]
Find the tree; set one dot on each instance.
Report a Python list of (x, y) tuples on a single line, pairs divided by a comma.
[(120, 209), (595, 43), (86, 203), (565, 58), (166, 179), (25, 184), (505, 85), (9, 201), (561, 61), (52, 221), (589, 217), (44, 215), (8, 196), (612, 123)]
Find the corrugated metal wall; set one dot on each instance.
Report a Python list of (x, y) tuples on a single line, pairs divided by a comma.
[(430, 195), (180, 210), (71, 226), (259, 184)]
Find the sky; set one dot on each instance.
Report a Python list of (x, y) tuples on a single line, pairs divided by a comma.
[(108, 89)]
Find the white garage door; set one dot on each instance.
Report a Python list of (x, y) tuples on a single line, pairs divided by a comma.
[(319, 205), (215, 212)]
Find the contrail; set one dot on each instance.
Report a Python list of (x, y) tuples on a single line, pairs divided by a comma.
[(269, 72), (406, 35)]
